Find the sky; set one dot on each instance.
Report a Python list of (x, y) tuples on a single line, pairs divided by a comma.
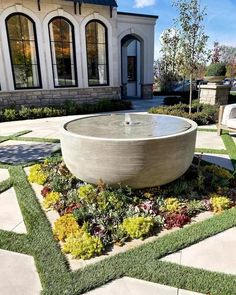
[(220, 22)]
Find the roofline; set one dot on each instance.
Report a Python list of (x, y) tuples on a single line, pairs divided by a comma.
[(138, 14)]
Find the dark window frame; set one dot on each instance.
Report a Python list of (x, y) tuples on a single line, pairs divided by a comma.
[(74, 53), (134, 58), (107, 54), (36, 51)]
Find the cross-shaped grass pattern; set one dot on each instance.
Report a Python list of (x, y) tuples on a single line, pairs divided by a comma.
[(142, 262)]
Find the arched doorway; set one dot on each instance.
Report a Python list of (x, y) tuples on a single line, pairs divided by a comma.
[(131, 66)]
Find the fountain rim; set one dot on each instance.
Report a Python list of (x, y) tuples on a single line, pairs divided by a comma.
[(193, 127)]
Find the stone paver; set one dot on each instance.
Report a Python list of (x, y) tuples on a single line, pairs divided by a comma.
[(216, 253), (129, 286), (4, 174), (10, 215), (209, 140), (18, 275), (18, 153), (220, 160), (213, 126)]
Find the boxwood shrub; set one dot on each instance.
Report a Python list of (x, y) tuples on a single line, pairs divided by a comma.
[(206, 115), (68, 108)]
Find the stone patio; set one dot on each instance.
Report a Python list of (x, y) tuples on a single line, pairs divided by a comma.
[(10, 214), (18, 275), (215, 254), (129, 286)]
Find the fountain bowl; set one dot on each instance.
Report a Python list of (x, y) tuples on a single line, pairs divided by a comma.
[(148, 151)]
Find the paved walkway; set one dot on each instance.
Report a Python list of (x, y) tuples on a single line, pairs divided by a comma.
[(17, 270)]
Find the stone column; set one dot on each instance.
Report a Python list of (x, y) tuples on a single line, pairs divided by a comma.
[(213, 94), (147, 91), (124, 90)]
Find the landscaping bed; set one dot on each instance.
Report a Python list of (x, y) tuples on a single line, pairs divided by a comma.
[(68, 108), (95, 218), (202, 114)]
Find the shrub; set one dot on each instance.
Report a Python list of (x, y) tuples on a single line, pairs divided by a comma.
[(194, 207), (37, 175), (172, 100), (207, 114), (218, 171), (220, 203), (9, 114), (46, 190), (83, 246), (65, 226), (87, 193), (138, 227), (176, 220), (216, 69), (51, 199), (171, 205), (68, 108)]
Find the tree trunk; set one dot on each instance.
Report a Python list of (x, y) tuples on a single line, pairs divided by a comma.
[(190, 93)]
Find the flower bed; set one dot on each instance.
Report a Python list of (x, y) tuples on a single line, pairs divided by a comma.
[(92, 219)]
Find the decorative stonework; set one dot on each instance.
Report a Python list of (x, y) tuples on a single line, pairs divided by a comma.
[(57, 96), (147, 91), (214, 94)]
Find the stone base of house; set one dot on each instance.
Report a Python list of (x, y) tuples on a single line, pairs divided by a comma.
[(147, 91), (213, 94), (57, 96)]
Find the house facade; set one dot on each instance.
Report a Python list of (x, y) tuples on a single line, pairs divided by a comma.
[(55, 50)]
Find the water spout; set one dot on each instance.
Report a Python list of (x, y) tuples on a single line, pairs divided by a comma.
[(128, 120)]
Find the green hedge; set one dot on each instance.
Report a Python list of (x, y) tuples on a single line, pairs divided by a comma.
[(207, 114), (68, 108)]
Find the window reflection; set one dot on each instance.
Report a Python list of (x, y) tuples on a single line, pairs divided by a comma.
[(96, 39), (62, 50), (23, 51)]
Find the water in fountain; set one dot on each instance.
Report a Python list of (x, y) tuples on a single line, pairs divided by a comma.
[(124, 126)]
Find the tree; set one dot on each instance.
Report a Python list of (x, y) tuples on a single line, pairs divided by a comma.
[(228, 56), (216, 53), (168, 64), (193, 40)]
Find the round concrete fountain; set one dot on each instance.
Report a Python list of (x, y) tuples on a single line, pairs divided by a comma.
[(138, 150)]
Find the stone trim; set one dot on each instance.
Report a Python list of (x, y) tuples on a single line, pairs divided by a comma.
[(41, 97), (147, 91), (213, 93)]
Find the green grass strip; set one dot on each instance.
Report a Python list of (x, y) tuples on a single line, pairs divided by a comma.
[(20, 133), (19, 137), (5, 185), (206, 129), (230, 146), (3, 138), (38, 139), (49, 260), (188, 278), (211, 151)]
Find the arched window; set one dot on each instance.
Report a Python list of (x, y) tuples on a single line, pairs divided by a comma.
[(23, 51), (61, 33), (97, 53)]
